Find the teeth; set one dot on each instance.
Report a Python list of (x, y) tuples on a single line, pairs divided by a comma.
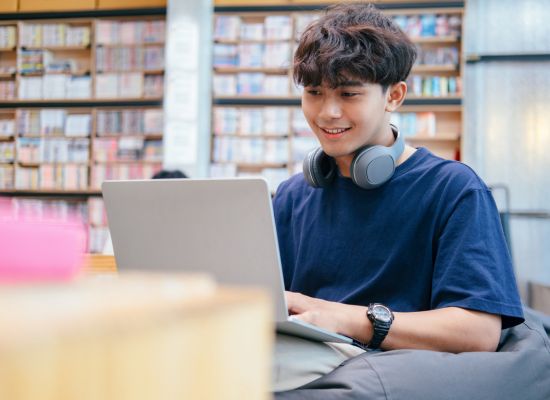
[(335, 131)]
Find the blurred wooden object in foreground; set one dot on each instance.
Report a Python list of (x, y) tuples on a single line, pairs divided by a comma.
[(134, 337), (99, 263)]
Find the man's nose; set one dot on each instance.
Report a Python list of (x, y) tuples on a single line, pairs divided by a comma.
[(330, 109)]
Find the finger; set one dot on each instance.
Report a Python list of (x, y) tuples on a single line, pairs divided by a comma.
[(295, 303), (307, 317)]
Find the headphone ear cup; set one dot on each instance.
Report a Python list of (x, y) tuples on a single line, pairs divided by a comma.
[(372, 167), (319, 168)]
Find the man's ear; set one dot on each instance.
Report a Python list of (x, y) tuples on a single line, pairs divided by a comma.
[(395, 96)]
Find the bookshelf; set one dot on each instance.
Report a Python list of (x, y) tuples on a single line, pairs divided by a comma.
[(253, 88), (76, 59), (54, 159), (80, 102)]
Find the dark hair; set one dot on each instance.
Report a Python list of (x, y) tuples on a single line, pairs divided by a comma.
[(165, 174), (353, 40)]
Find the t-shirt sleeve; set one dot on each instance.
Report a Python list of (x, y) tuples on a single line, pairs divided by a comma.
[(473, 268)]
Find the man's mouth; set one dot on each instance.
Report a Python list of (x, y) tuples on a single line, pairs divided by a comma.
[(334, 131)]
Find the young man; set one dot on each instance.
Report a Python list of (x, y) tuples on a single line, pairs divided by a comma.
[(414, 259)]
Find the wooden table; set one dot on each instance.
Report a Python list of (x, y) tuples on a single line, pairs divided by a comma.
[(134, 337)]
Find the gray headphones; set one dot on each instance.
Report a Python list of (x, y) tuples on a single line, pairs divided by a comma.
[(371, 167)]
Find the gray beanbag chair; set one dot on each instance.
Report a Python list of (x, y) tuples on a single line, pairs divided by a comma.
[(520, 369)]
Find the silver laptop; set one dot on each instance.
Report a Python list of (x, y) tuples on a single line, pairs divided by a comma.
[(224, 227)]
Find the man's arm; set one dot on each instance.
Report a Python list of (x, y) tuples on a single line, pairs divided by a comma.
[(450, 329)]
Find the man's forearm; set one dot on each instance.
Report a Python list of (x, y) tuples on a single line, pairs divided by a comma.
[(449, 329)]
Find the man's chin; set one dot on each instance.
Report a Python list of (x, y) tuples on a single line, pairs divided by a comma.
[(337, 154)]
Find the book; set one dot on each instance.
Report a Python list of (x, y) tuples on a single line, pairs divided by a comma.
[(77, 35), (106, 86), (225, 84), (226, 120), (102, 172), (152, 150), (7, 177), (52, 121), (129, 122), (252, 31), (225, 55), (276, 55), (74, 150), (251, 55), (428, 22), (53, 34), (7, 127), (250, 83), (78, 87), (278, 27), (153, 121), (276, 120), (129, 149), (97, 216), (105, 150), (30, 35), (275, 85), (430, 25), (54, 86), (420, 124), (29, 150), (227, 27), (26, 178), (250, 121), (130, 85), (154, 31), (28, 122), (58, 209), (276, 151), (8, 37), (106, 32), (7, 152), (299, 124), (153, 86), (97, 237)]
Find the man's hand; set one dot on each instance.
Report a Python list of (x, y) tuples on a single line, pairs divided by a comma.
[(332, 316)]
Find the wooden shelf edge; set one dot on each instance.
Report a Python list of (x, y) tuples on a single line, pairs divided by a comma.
[(47, 192)]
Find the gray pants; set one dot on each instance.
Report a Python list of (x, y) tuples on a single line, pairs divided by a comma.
[(520, 369), (299, 361)]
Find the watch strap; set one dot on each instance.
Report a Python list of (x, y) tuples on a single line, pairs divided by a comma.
[(380, 331)]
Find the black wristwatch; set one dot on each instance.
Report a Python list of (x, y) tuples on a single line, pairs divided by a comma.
[(381, 318)]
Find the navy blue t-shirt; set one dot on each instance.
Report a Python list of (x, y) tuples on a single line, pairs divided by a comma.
[(428, 238)]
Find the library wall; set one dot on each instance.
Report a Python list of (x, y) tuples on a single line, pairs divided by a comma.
[(258, 127)]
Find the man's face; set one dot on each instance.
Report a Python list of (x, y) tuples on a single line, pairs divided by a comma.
[(347, 117)]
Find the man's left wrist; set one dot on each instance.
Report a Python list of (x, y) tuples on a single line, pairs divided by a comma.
[(356, 325)]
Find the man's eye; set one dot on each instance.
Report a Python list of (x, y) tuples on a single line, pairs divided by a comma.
[(349, 94), (314, 92)]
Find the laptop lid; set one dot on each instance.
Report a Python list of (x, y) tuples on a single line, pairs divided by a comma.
[(224, 227)]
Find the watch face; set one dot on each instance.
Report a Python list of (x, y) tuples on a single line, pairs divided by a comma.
[(382, 313)]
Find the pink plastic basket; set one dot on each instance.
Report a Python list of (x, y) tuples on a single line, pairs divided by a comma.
[(39, 248)]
